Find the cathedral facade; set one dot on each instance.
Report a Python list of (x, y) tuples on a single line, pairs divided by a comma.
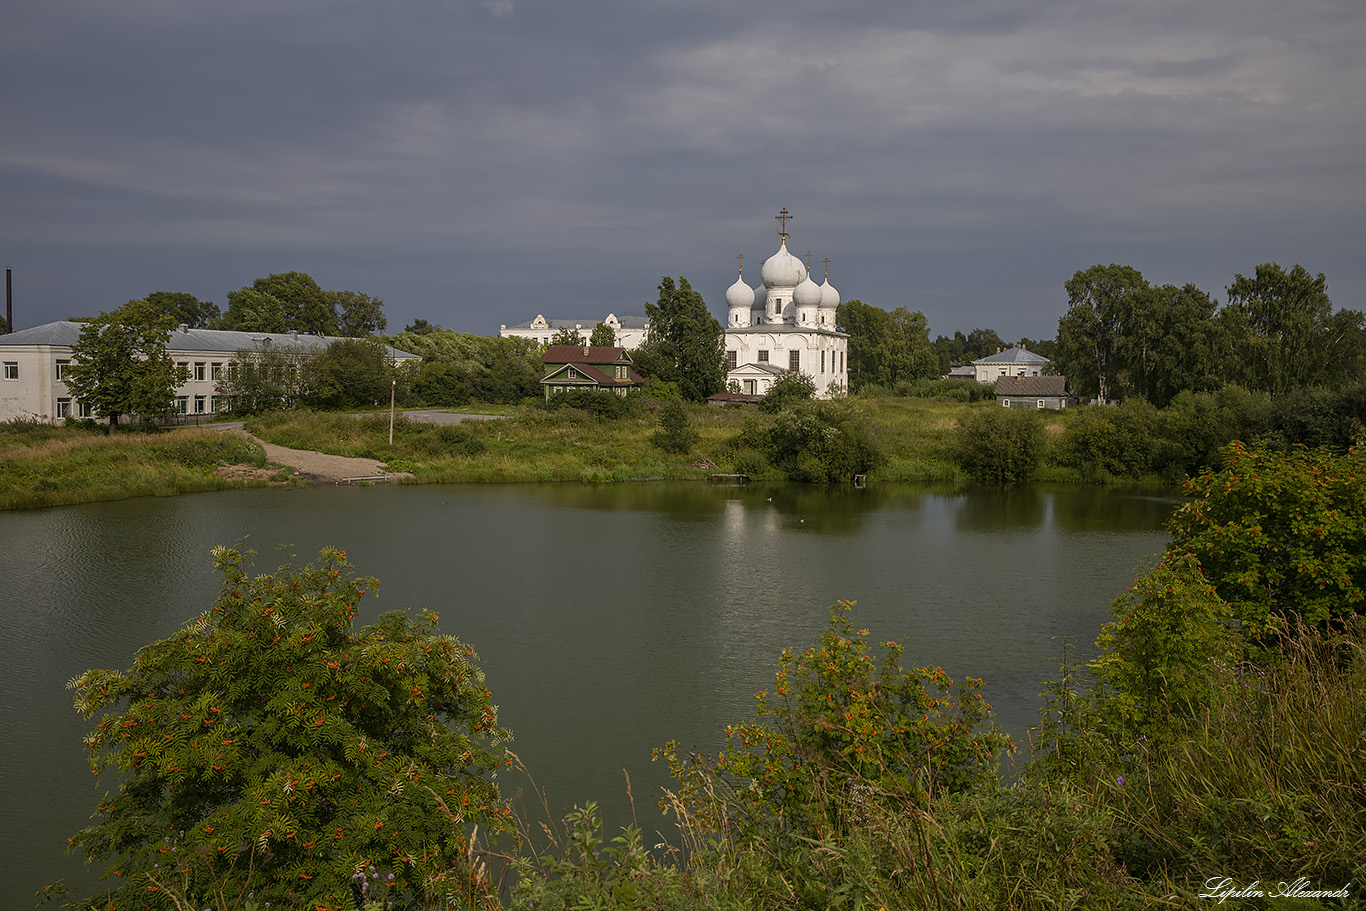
[(786, 323)]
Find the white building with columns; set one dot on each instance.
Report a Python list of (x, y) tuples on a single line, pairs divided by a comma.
[(787, 322)]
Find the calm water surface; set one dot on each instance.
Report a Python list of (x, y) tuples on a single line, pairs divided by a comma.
[(608, 619)]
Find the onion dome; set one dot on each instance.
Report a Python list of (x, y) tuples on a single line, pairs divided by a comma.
[(830, 298), (808, 294), (782, 269), (739, 295)]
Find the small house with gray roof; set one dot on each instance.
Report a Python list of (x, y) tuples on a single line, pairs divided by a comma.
[(1014, 361), (1033, 392)]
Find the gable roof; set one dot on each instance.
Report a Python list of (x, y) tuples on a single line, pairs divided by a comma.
[(585, 354), (1015, 355), (543, 322), (1031, 386)]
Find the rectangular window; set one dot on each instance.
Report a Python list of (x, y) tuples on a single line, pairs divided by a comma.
[(182, 404), (822, 362), (1005, 403), (84, 411), (732, 359), (64, 408), (199, 404), (794, 360), (199, 371), (215, 403), (215, 371), (11, 370), (763, 356), (61, 370), (1040, 405)]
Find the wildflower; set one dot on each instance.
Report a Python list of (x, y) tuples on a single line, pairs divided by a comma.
[(1120, 781)]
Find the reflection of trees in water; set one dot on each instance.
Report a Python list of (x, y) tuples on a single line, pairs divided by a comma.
[(1105, 509), (1001, 509), (843, 509)]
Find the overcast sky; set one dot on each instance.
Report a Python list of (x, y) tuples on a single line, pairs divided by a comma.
[(477, 163)]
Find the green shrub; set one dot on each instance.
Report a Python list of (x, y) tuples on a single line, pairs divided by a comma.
[(788, 390), (676, 433), (826, 442), (270, 748), (999, 445)]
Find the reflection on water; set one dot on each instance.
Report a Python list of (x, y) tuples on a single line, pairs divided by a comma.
[(609, 619)]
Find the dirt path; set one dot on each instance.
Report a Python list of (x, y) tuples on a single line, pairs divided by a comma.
[(318, 467)]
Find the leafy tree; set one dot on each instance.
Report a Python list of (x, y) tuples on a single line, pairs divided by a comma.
[(566, 336), (886, 348), (269, 749), (676, 431), (184, 309), (358, 314), (266, 379), (1101, 300), (352, 372), (420, 326), (120, 365), (686, 345), (458, 368), (1280, 536), (282, 302), (790, 388), (1000, 445), (604, 336), (1282, 330)]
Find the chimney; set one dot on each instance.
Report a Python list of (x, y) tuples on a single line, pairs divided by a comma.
[(9, 300), (585, 351)]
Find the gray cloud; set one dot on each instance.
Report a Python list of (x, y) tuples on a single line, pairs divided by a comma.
[(476, 163)]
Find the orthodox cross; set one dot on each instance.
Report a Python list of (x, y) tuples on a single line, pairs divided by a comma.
[(808, 260), (783, 217), (827, 268), (741, 258)]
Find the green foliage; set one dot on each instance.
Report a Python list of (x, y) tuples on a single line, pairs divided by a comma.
[(267, 379), (676, 432), (270, 748), (358, 315), (1108, 442), (603, 404), (686, 345), (999, 445), (787, 390), (1280, 536), (566, 335), (1266, 775), (1280, 327), (1170, 639), (295, 302), (458, 368), (184, 309), (886, 348), (603, 336), (120, 365), (825, 791), (827, 442), (353, 373)]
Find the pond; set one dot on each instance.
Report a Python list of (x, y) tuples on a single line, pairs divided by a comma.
[(608, 619)]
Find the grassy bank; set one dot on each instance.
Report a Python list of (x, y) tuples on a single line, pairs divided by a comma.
[(533, 444), (48, 465)]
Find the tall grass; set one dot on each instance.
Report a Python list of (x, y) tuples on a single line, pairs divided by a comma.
[(48, 465)]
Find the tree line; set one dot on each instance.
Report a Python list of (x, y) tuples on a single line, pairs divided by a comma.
[(1122, 337), (281, 302)]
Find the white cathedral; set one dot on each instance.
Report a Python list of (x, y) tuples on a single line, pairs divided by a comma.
[(787, 323)]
